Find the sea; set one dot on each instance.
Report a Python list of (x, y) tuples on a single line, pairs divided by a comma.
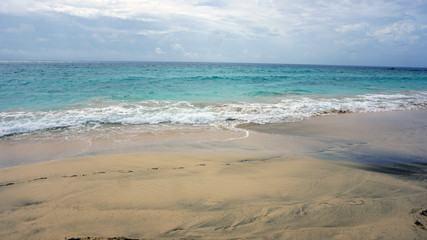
[(43, 99)]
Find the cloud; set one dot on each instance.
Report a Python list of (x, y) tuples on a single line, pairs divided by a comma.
[(177, 47), (351, 27), (243, 18), (399, 31), (159, 50), (247, 19), (306, 31), (180, 49), (23, 27), (148, 32)]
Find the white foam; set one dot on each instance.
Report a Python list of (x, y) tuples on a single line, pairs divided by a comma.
[(228, 115)]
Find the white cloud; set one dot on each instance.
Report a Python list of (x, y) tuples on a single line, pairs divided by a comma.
[(177, 47), (23, 27), (159, 51), (399, 31), (151, 32), (219, 29), (248, 19), (180, 49), (242, 18), (351, 27), (351, 43)]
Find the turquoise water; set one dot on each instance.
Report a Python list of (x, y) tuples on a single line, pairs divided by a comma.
[(40, 96)]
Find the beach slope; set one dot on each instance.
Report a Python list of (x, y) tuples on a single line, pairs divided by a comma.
[(165, 196)]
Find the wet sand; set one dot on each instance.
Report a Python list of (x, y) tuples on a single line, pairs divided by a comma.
[(385, 137), (271, 185)]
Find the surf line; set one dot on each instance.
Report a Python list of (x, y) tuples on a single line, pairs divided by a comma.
[(238, 138)]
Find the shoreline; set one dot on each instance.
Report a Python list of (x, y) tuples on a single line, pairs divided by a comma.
[(296, 180), (376, 138), (322, 137)]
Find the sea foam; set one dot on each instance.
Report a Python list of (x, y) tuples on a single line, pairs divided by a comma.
[(226, 115)]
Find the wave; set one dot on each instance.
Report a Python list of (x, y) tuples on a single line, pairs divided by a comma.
[(289, 109)]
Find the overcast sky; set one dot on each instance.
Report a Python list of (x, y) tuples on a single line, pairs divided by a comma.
[(344, 32)]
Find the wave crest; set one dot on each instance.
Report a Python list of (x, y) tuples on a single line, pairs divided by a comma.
[(289, 109)]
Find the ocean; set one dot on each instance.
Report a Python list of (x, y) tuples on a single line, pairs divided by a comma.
[(44, 99)]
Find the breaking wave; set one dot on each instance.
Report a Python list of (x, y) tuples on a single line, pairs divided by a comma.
[(288, 109)]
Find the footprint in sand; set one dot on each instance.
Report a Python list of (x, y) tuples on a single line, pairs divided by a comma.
[(419, 217), (173, 231), (70, 176), (223, 228), (356, 202), (7, 184), (420, 225), (37, 179), (99, 238), (28, 181)]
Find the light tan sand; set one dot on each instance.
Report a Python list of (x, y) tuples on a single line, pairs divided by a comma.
[(203, 185), (169, 196)]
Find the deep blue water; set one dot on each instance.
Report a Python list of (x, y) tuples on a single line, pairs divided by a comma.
[(45, 95)]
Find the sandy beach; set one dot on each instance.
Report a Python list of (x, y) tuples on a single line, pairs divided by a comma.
[(285, 181), (213, 119)]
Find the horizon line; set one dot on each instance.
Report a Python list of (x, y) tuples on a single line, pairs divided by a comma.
[(210, 62)]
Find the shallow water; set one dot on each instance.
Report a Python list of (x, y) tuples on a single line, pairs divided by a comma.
[(108, 107), (373, 138), (82, 96)]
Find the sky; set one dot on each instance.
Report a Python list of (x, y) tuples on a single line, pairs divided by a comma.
[(332, 32)]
